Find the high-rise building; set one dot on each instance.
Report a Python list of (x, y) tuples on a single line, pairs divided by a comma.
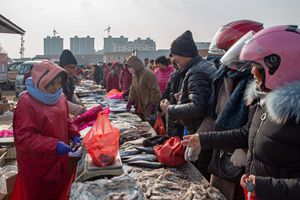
[(53, 45), (82, 45), (202, 45), (121, 44)]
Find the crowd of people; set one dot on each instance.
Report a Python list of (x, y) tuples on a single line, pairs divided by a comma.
[(239, 119)]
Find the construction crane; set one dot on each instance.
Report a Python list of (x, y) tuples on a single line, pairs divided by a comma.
[(22, 48), (55, 32), (108, 30)]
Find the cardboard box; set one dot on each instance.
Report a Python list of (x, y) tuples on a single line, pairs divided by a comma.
[(2, 157), (73, 161), (11, 153), (10, 184), (4, 107)]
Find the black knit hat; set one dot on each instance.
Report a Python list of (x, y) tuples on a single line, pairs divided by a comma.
[(184, 45), (67, 58)]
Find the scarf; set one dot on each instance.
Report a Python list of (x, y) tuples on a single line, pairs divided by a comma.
[(44, 97)]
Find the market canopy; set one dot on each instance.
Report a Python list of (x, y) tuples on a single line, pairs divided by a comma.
[(6, 26)]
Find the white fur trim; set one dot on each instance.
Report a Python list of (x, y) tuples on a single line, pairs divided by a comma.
[(284, 103)]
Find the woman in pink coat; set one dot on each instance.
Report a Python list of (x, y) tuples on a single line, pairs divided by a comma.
[(163, 72)]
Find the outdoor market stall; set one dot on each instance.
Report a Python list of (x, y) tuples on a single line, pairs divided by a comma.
[(136, 172)]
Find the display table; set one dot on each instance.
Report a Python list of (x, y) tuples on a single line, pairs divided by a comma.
[(189, 179)]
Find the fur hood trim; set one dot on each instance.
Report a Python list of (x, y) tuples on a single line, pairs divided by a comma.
[(250, 96), (284, 103), (281, 104)]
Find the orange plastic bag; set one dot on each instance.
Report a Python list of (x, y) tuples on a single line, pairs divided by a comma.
[(159, 126), (114, 93), (102, 141)]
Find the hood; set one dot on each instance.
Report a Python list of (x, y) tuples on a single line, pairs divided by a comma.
[(115, 63), (43, 73), (282, 104), (135, 63)]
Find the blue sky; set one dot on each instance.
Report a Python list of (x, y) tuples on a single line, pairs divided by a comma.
[(162, 20)]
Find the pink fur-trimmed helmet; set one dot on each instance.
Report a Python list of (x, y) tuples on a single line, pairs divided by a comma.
[(277, 50)]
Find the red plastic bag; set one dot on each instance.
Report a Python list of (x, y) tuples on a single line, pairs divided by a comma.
[(246, 195), (159, 126), (171, 152), (102, 141)]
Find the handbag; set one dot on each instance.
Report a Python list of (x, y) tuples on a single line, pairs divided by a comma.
[(221, 166)]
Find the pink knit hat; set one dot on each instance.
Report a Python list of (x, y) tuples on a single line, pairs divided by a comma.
[(43, 73)]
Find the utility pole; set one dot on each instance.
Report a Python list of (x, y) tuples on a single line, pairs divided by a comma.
[(22, 49), (108, 30)]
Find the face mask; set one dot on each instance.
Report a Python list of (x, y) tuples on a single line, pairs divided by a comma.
[(131, 70)]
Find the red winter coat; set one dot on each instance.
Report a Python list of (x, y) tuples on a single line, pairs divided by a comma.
[(125, 79), (112, 81), (37, 129), (106, 71)]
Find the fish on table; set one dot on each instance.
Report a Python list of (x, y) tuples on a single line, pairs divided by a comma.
[(146, 157), (147, 164)]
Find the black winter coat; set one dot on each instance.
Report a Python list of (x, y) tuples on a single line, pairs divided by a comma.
[(69, 87), (272, 135), (196, 81)]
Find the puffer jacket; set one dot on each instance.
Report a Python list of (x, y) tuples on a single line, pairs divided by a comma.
[(272, 136), (196, 81)]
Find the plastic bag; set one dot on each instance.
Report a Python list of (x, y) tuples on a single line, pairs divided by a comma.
[(171, 152), (114, 94), (159, 126), (88, 116), (102, 141)]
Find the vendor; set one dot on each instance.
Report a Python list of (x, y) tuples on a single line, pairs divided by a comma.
[(42, 130), (69, 63)]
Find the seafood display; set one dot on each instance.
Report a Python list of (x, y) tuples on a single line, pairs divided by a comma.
[(147, 164), (146, 157), (118, 188), (146, 178), (133, 134), (172, 184)]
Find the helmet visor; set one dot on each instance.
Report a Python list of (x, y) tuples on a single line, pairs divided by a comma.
[(232, 55), (213, 49)]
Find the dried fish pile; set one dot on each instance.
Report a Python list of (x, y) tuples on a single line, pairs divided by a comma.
[(171, 184), (119, 188), (133, 154), (122, 126), (133, 134)]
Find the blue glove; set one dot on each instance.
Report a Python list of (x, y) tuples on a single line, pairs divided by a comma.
[(62, 148), (76, 140)]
